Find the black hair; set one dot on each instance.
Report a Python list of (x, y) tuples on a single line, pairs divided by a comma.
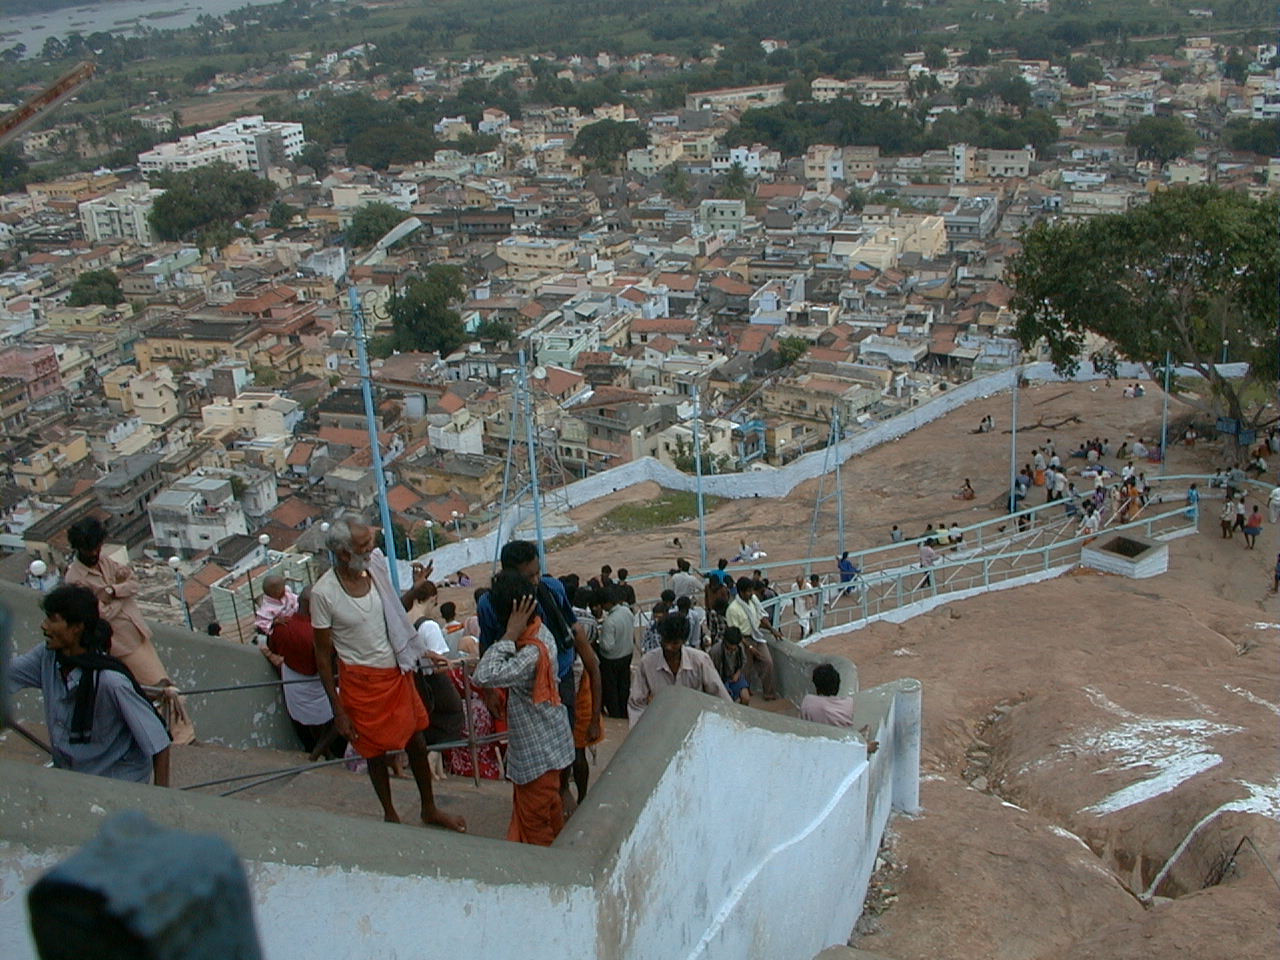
[(826, 680), (732, 636), (517, 553), (622, 573), (88, 533), (745, 584), (682, 565), (614, 594), (721, 563), (583, 597), (448, 610), (606, 570), (661, 607), (684, 603), (668, 596), (78, 606), (508, 587), (571, 582), (673, 629)]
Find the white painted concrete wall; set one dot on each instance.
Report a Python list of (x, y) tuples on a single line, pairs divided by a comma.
[(308, 913), (765, 483), (748, 848), (717, 832)]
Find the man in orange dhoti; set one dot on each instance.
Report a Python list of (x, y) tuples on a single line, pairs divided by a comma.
[(541, 740), (357, 616)]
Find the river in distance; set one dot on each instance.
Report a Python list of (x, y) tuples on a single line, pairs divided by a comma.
[(115, 16)]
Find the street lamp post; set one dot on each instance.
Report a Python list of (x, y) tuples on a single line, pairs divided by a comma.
[(431, 534), (178, 579), (457, 522), (36, 571), (1225, 344)]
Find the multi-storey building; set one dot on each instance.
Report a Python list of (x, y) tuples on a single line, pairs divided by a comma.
[(122, 215)]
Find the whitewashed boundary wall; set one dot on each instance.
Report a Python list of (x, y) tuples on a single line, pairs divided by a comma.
[(772, 482), (649, 868)]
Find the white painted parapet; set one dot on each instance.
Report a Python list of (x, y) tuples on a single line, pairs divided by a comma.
[(711, 827)]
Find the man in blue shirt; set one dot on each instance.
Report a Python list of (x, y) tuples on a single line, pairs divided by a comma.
[(558, 617)]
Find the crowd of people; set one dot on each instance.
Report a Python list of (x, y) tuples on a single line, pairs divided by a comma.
[(516, 688)]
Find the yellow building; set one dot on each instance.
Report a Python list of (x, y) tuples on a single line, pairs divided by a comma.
[(39, 470)]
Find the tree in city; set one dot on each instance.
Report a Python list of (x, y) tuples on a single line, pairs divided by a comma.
[(494, 330), (734, 185), (314, 156), (603, 142), (675, 183), (203, 203), (1190, 271), (281, 214), (1082, 71), (1161, 138), (422, 313), (371, 221), (95, 286), (791, 349)]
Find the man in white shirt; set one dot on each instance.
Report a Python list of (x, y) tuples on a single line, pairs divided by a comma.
[(359, 621), (749, 617), (684, 582)]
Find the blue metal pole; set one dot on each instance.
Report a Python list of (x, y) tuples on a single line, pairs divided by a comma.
[(1013, 443), (366, 391), (835, 429), (533, 464), (1164, 414), (182, 595), (697, 461)]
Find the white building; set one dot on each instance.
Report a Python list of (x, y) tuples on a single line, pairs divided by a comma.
[(195, 513), (121, 215), (247, 143)]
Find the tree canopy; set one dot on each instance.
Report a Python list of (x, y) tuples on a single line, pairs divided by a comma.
[(197, 202), (1191, 269), (371, 221), (422, 314), (95, 286), (1161, 138), (605, 141)]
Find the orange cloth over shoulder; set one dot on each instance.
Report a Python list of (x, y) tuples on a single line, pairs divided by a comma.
[(545, 689)]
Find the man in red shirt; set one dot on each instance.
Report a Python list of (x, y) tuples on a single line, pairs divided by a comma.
[(291, 648)]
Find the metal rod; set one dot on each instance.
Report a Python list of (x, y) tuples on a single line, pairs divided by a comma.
[(366, 392), (240, 686), (1164, 414), (1013, 443), (697, 462), (837, 437), (533, 463)]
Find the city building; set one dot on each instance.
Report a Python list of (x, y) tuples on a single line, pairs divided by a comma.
[(195, 514), (121, 215)]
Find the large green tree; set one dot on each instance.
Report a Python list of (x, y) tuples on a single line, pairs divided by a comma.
[(1182, 274), (371, 221), (603, 142), (1161, 138), (200, 203), (422, 314), (95, 286)]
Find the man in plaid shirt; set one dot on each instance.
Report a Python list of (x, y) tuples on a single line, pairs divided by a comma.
[(540, 738)]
